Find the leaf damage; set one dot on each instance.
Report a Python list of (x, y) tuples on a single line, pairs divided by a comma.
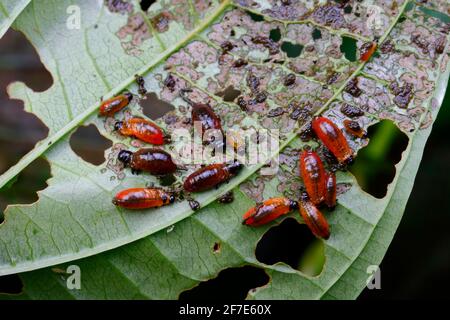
[(265, 100)]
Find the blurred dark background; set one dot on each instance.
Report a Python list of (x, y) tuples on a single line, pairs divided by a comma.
[(417, 264)]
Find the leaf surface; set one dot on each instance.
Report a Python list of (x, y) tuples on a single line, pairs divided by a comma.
[(74, 217), (9, 11)]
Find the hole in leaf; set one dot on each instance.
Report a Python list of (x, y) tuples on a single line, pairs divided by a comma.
[(19, 130), (229, 94), (348, 9), (427, 215), (145, 4), (11, 284), (155, 108), (436, 14), (348, 48), (374, 167), (232, 283), (19, 61), (255, 17), (275, 34), (292, 243), (23, 189), (317, 34), (292, 50), (89, 144)]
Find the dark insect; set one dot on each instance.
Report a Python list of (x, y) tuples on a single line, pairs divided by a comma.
[(330, 190), (296, 113), (194, 205), (311, 48), (351, 111), (403, 95), (421, 42), (261, 96), (141, 83), (119, 6), (275, 112), (226, 46), (313, 218), (268, 43), (329, 157), (332, 78), (170, 82), (204, 114), (352, 88), (156, 162), (387, 47), (367, 50), (439, 45), (239, 63), (289, 80), (268, 211), (353, 128), (161, 22), (242, 103), (114, 105), (226, 198), (299, 111), (143, 198), (333, 138), (211, 176), (329, 15), (253, 82), (307, 132), (141, 129), (313, 175)]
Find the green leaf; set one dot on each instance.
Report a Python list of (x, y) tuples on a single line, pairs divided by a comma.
[(74, 217), (36, 236), (9, 11)]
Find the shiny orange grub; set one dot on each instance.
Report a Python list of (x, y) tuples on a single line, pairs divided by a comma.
[(203, 114), (210, 123), (268, 211), (211, 176), (152, 160), (313, 218), (330, 190), (141, 129), (313, 174), (367, 50), (333, 138), (353, 128), (114, 105), (143, 198)]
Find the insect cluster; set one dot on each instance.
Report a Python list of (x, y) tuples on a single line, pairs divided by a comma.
[(319, 183), (158, 162)]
